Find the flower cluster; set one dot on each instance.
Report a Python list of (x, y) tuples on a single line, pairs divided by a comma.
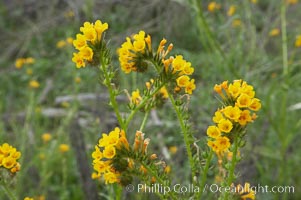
[(105, 151), (8, 158), (118, 162), (239, 105), (22, 61), (136, 54), (87, 42)]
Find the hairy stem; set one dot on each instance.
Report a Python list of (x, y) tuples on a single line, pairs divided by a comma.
[(185, 135)]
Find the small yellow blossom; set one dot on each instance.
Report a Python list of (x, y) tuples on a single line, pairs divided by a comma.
[(225, 125), (173, 149), (213, 6), (34, 84), (19, 63), (298, 41), (274, 32), (60, 44), (46, 137), (213, 132), (231, 10), (64, 148), (136, 98), (28, 198), (8, 158)]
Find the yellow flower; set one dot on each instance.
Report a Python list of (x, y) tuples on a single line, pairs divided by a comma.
[(255, 104), (78, 59), (80, 41), (225, 125), (213, 6), (173, 149), (109, 152), (46, 137), (164, 93), (69, 40), (274, 32), (28, 198), (111, 177), (190, 86), (8, 158), (298, 41), (178, 63), (183, 81), (64, 148), (245, 117), (231, 10), (8, 162), (167, 169), (223, 143), (34, 84), (60, 44), (97, 154), (19, 63), (232, 113), (245, 192), (86, 53), (136, 98), (100, 28), (218, 116), (254, 1), (29, 60), (243, 101), (213, 132)]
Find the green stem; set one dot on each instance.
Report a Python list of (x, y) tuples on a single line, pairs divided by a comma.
[(204, 175), (284, 38), (142, 103), (112, 93), (144, 120), (185, 135), (232, 167), (7, 191)]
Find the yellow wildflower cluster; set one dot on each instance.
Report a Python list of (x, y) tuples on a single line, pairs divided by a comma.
[(8, 158), (62, 43), (86, 42), (135, 52), (63, 148), (298, 41), (105, 151), (239, 102), (183, 69), (135, 49), (213, 6), (22, 61)]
